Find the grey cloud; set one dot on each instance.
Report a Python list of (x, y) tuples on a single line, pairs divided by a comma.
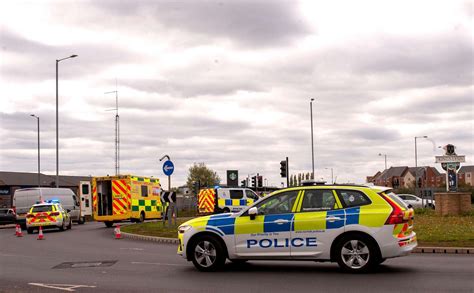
[(38, 60), (248, 23)]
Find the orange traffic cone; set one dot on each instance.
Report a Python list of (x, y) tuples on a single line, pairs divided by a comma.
[(16, 230), (40, 235), (118, 234), (19, 233)]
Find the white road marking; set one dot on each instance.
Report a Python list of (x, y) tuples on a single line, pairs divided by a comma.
[(64, 287), (157, 263), (131, 248)]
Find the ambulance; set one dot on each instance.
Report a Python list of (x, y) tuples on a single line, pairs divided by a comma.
[(126, 197), (224, 200), (356, 226)]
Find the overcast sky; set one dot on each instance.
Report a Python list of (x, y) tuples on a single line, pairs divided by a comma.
[(229, 83)]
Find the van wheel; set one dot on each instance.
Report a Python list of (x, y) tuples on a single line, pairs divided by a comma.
[(207, 254), (142, 217), (356, 254), (29, 230), (108, 224), (81, 220)]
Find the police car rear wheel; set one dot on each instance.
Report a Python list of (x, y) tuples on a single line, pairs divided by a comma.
[(63, 226), (208, 254), (356, 254), (70, 225)]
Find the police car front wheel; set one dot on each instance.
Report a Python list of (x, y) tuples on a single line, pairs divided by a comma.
[(356, 254), (207, 254)]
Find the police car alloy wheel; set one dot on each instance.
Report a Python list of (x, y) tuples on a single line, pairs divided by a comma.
[(356, 254), (207, 254)]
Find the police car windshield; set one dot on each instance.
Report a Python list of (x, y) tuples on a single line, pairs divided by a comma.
[(45, 208)]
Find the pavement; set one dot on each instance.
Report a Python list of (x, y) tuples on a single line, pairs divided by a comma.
[(89, 259)]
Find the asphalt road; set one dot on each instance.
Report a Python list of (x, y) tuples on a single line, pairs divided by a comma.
[(27, 265)]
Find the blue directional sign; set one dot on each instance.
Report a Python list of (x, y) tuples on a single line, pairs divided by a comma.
[(168, 168)]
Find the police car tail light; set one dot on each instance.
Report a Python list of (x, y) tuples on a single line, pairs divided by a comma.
[(397, 215)]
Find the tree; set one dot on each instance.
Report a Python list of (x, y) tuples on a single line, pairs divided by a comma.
[(206, 177)]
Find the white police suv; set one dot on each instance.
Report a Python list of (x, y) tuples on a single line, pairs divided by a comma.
[(356, 226)]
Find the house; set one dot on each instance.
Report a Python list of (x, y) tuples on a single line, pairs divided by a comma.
[(11, 181), (391, 177), (466, 175)]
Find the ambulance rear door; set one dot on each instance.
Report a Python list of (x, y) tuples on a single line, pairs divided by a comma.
[(85, 198)]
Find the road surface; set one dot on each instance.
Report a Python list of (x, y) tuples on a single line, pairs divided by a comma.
[(89, 259)]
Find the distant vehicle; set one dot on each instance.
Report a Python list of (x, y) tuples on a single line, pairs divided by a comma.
[(416, 202), (225, 200), (7, 216), (23, 199), (126, 197), (48, 215)]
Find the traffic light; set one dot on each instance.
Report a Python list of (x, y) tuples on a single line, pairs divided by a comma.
[(283, 170), (242, 183), (254, 181)]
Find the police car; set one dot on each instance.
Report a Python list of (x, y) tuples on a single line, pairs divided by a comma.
[(47, 215), (356, 226)]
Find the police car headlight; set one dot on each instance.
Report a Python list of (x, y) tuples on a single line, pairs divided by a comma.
[(183, 228)]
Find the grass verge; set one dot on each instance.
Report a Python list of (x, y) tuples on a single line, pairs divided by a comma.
[(432, 230)]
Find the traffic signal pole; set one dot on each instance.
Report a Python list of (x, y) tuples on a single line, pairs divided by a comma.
[(287, 172)]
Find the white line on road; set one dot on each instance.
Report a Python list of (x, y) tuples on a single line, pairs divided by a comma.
[(157, 264), (64, 287), (131, 248)]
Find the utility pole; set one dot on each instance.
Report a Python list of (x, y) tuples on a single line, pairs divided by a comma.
[(117, 131), (312, 139)]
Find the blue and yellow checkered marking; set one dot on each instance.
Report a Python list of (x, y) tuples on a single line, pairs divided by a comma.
[(226, 225)]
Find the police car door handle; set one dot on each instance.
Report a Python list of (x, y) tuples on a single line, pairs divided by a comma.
[(333, 219), (280, 221)]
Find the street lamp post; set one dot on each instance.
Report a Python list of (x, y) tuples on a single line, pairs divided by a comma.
[(312, 139), (385, 155), (39, 161), (416, 170), (57, 129), (332, 175)]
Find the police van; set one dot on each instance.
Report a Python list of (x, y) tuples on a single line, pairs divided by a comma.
[(225, 200), (356, 226)]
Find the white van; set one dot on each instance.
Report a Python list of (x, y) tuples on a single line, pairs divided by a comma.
[(86, 200), (23, 199)]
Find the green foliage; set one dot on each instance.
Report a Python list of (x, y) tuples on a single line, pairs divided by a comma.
[(200, 172)]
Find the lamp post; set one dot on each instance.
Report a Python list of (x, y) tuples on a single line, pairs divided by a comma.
[(39, 162), (385, 155), (332, 175), (416, 169), (57, 129), (312, 139)]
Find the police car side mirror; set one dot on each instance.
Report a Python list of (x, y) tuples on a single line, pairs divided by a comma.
[(253, 212)]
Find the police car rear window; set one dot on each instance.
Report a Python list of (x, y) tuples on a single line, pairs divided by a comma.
[(353, 198), (39, 209), (396, 199)]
